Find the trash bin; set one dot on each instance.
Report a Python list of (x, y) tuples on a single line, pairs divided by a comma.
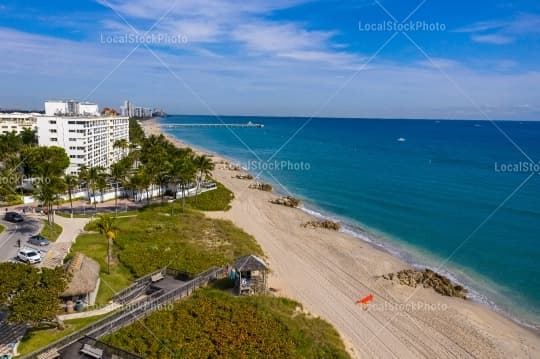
[(69, 306), (79, 306)]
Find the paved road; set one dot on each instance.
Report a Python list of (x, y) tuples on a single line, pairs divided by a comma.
[(17, 231)]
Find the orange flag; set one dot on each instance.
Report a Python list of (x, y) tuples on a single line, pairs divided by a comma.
[(366, 299)]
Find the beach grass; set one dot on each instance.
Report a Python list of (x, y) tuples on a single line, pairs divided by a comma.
[(154, 239), (215, 200), (51, 231), (38, 338), (215, 324)]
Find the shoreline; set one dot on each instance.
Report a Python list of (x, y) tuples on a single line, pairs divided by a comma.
[(327, 271)]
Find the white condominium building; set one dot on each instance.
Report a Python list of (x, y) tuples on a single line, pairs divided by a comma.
[(88, 141), (71, 108), (17, 122)]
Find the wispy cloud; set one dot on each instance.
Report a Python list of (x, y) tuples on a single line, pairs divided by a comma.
[(503, 32)]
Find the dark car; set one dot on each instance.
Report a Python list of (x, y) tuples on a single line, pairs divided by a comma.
[(38, 240), (13, 217)]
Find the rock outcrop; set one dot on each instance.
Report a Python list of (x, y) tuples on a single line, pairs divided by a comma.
[(428, 279), (322, 224), (287, 201)]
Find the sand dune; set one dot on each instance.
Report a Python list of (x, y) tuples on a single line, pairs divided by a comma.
[(328, 271)]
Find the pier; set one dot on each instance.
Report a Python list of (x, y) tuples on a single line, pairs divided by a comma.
[(249, 124)]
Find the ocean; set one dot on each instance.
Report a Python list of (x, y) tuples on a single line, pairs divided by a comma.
[(456, 196)]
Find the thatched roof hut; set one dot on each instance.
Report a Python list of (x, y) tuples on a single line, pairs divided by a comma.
[(85, 276), (250, 263)]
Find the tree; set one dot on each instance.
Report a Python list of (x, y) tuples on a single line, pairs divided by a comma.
[(106, 227), (205, 166), (71, 182), (122, 144), (183, 172), (48, 165), (94, 179), (28, 137), (119, 171), (31, 295)]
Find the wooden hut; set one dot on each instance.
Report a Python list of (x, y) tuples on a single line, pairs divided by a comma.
[(251, 275), (85, 280)]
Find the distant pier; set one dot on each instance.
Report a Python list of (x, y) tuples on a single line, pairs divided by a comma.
[(249, 124)]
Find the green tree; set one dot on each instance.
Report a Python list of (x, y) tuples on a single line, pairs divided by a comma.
[(71, 183), (205, 166), (28, 137), (106, 227), (183, 173), (94, 180), (119, 171), (31, 295)]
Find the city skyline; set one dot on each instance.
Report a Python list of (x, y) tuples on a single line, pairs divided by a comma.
[(288, 58)]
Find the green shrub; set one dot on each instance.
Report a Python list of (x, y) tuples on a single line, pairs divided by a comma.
[(216, 200), (214, 324)]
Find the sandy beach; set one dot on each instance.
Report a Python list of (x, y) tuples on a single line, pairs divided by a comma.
[(328, 271)]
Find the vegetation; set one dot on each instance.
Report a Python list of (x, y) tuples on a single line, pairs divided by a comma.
[(93, 246), (31, 295), (2, 228), (215, 200), (38, 338), (51, 231), (188, 241), (106, 227), (214, 324), (136, 133)]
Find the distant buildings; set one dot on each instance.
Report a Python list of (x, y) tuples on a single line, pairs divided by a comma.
[(71, 108), (87, 137), (130, 110), (17, 122)]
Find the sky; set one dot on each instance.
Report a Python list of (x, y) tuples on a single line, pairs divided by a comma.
[(329, 58)]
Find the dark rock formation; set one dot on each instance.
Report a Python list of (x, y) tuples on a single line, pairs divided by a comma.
[(428, 279)]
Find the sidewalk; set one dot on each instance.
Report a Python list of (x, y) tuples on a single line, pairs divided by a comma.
[(71, 228), (90, 313)]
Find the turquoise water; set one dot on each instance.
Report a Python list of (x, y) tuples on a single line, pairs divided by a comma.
[(423, 189)]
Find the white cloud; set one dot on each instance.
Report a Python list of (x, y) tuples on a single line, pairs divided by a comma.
[(495, 39)]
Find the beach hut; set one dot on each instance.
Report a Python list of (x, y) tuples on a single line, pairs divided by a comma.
[(251, 273), (85, 280)]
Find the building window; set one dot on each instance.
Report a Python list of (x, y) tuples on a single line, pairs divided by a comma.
[(52, 122), (52, 130), (54, 139)]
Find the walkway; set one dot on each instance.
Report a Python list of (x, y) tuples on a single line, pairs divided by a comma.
[(90, 313), (58, 250)]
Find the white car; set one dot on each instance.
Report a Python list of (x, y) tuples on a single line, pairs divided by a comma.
[(29, 255)]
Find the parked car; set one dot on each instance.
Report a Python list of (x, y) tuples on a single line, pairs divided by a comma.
[(29, 255), (13, 217), (38, 240)]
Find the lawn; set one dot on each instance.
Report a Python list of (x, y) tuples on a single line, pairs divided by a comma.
[(188, 241), (94, 246), (215, 200), (37, 338), (51, 232), (215, 324)]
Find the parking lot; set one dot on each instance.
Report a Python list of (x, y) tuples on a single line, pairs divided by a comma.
[(16, 233)]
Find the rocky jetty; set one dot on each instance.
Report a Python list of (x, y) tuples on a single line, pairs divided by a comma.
[(287, 201), (428, 279), (322, 224)]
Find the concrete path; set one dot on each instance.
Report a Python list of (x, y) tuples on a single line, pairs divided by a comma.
[(71, 229), (90, 313)]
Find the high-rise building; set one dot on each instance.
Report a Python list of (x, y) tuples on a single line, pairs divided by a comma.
[(87, 139), (71, 108)]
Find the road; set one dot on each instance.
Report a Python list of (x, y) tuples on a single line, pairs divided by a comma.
[(18, 231)]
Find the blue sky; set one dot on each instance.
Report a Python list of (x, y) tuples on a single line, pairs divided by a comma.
[(457, 59)]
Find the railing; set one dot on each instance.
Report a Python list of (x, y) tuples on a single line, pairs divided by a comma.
[(109, 350), (136, 288), (128, 315)]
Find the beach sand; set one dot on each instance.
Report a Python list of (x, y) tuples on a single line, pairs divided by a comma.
[(328, 271)]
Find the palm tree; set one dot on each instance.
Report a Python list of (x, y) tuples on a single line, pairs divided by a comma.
[(183, 173), (106, 227), (205, 166), (118, 174), (94, 177), (84, 176), (71, 183), (123, 144)]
